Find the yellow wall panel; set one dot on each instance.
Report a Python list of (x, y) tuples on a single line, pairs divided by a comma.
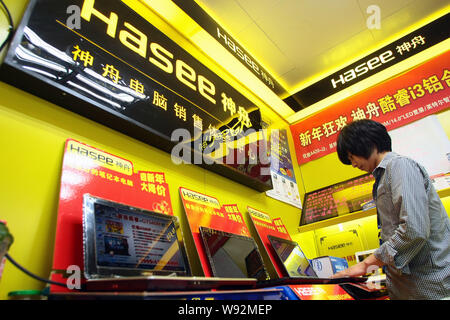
[(306, 241), (444, 119), (446, 203), (32, 137), (33, 133)]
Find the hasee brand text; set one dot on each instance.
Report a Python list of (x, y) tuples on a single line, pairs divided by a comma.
[(363, 68), (137, 41)]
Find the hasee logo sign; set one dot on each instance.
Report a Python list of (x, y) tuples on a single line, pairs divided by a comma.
[(199, 198), (105, 61), (137, 41), (363, 68), (99, 158)]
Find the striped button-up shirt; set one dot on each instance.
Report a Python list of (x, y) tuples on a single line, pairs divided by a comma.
[(415, 230)]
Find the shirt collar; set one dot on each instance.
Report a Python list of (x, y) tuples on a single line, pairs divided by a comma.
[(383, 163)]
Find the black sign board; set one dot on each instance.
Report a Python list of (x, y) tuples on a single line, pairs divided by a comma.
[(115, 68), (395, 52)]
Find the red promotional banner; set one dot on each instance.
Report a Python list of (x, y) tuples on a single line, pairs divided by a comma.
[(206, 211), (408, 97), (320, 292), (88, 170), (265, 226)]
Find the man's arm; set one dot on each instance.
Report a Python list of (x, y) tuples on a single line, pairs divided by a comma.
[(410, 211), (410, 197)]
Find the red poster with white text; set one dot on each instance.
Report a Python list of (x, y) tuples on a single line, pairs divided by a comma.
[(88, 170), (265, 226), (206, 211), (412, 95), (320, 292)]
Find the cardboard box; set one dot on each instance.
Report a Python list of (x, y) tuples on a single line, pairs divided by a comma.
[(326, 266)]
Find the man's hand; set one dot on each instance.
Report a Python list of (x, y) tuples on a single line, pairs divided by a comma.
[(357, 270), (361, 268)]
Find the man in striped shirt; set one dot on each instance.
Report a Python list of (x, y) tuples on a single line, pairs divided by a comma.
[(415, 228)]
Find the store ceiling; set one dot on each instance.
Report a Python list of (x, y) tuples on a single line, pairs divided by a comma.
[(301, 41)]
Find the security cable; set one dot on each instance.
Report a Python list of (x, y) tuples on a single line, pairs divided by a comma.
[(7, 256), (10, 28)]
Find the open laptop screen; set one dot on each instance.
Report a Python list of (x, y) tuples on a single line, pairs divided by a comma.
[(292, 257), (233, 256), (124, 240)]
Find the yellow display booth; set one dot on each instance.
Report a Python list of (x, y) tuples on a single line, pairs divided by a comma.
[(33, 134)]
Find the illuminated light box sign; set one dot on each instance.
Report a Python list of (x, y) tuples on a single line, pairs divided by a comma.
[(117, 69), (338, 199), (191, 8), (391, 54)]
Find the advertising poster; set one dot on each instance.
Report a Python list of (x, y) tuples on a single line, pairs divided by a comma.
[(206, 211), (88, 170), (320, 292), (285, 186), (411, 96), (265, 226)]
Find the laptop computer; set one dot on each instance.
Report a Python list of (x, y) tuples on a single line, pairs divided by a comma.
[(295, 264), (131, 249), (233, 255)]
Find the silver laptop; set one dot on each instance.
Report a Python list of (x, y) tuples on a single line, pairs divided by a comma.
[(131, 249), (297, 267)]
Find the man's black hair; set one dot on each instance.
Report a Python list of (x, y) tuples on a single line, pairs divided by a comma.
[(360, 137)]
